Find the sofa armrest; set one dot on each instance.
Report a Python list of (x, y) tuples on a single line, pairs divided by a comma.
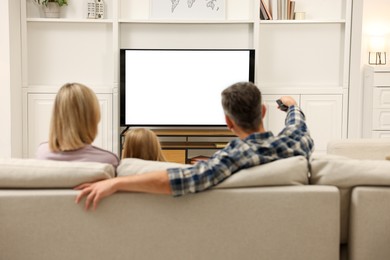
[(370, 223), (291, 222)]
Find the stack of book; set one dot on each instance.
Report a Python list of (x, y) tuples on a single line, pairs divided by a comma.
[(277, 9)]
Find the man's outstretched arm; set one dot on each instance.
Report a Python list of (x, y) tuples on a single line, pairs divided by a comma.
[(154, 182)]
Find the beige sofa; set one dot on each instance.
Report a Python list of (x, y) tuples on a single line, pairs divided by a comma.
[(266, 212), (273, 211), (357, 167)]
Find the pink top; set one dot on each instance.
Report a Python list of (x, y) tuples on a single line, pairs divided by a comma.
[(88, 153)]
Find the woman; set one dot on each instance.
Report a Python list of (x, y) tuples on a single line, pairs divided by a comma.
[(74, 126)]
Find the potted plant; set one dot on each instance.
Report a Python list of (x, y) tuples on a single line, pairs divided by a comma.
[(51, 8)]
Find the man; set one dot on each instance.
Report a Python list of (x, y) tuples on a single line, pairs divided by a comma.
[(244, 112)]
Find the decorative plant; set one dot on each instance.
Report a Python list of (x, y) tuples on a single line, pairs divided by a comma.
[(44, 2)]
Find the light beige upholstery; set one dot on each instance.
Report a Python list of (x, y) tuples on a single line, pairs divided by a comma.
[(359, 170), (370, 223), (133, 166), (346, 174), (283, 223), (31, 173), (289, 171), (367, 149)]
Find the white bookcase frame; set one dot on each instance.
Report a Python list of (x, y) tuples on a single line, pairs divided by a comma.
[(305, 58)]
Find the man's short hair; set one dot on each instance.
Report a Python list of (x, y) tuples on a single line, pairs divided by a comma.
[(242, 103)]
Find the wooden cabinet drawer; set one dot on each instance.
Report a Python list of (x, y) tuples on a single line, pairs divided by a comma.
[(381, 98), (382, 79), (381, 119), (178, 156)]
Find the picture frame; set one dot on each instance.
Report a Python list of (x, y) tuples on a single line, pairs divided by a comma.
[(187, 10)]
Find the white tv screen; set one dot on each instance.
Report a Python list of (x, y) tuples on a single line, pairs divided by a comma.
[(179, 87)]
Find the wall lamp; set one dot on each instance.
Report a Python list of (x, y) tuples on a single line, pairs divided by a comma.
[(377, 53)]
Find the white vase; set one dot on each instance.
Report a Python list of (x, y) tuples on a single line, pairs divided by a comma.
[(52, 10)]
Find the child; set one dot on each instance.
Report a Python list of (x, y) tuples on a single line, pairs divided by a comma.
[(74, 126), (143, 144)]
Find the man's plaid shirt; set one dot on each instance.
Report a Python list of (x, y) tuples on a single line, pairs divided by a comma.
[(256, 149)]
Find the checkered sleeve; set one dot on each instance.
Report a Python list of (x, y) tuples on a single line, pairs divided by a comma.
[(206, 174), (296, 129)]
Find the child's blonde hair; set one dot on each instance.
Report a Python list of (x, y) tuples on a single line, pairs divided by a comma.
[(142, 143), (75, 118)]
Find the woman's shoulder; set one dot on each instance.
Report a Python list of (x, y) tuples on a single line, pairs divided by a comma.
[(103, 153), (42, 150)]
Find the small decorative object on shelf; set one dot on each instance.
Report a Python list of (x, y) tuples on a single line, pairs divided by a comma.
[(95, 9), (99, 8), (91, 9), (188, 10), (299, 15), (51, 8)]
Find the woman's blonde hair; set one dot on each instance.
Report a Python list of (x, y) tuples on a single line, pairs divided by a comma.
[(142, 143), (75, 118)]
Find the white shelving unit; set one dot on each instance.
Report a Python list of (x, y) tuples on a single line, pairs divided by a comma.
[(376, 102), (308, 59)]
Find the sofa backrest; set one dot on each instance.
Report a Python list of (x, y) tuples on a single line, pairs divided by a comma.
[(32, 173), (290, 222), (289, 171), (365, 149)]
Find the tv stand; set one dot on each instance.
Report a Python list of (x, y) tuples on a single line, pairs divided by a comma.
[(176, 143)]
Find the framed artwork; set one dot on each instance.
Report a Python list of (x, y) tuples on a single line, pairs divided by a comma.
[(187, 9)]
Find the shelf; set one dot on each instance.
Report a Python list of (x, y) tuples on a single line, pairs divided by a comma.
[(313, 90), (66, 20), (186, 21), (178, 150), (192, 145), (131, 21), (69, 20), (336, 21), (193, 133)]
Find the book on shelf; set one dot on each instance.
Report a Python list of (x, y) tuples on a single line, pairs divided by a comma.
[(291, 9), (284, 9), (273, 6), (265, 13), (281, 9)]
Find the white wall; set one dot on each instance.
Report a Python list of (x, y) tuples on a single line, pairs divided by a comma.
[(5, 101), (376, 21), (10, 80), (370, 17)]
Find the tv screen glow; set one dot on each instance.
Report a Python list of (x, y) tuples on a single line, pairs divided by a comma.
[(179, 87)]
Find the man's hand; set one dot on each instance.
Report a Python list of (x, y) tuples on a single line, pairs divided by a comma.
[(153, 182), (96, 191), (288, 101)]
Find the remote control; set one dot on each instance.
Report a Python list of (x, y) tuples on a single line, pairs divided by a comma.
[(282, 106)]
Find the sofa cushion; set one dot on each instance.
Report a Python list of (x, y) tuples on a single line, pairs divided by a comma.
[(32, 173), (133, 166), (366, 149), (346, 173), (289, 171)]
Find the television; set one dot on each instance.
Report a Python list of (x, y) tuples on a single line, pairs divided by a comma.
[(179, 87)]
